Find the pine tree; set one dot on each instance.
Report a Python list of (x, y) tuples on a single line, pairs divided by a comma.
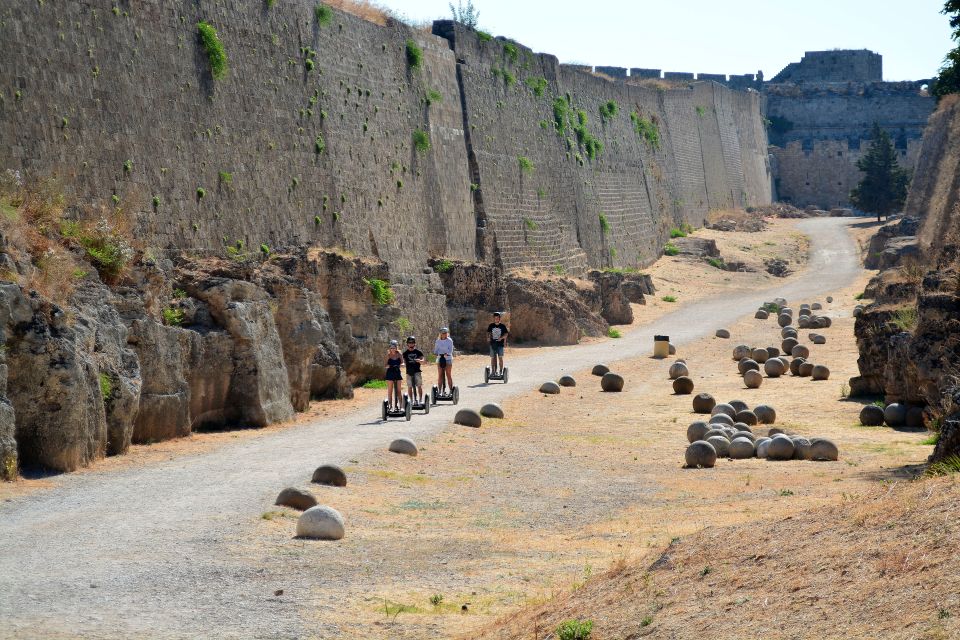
[(883, 189), (948, 81)]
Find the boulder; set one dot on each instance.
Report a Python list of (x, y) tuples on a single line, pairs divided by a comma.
[(761, 314), (800, 351), (722, 333), (761, 447), (774, 368), (823, 450), (765, 414), (405, 446), (703, 403), (872, 416), (780, 448), (748, 364), (820, 372), (320, 523), (469, 417), (600, 369), (858, 311), (491, 410), (825, 322), (720, 444), (678, 369), (330, 475), (723, 407), (612, 382), (915, 417), (296, 499), (760, 355), (700, 454), (895, 415), (740, 352), (566, 381), (753, 379), (805, 369), (696, 431), (721, 418), (741, 449), (747, 417), (683, 385), (788, 344), (552, 388), (795, 366)]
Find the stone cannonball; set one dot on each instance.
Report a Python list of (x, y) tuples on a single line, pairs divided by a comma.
[(872, 416), (722, 333), (741, 448), (795, 365), (330, 475), (788, 344), (761, 314), (672, 349), (818, 339), (765, 414), (773, 352), (405, 446), (820, 372), (760, 355), (747, 417), (296, 499), (611, 382), (678, 369), (823, 450), (804, 322), (780, 448), (761, 447), (800, 351), (748, 364), (774, 368), (825, 321), (915, 417), (805, 369), (738, 405), (599, 369), (784, 320), (320, 523), (752, 379), (470, 417), (786, 311), (723, 407), (715, 431), (491, 410), (683, 385), (743, 432), (720, 444), (697, 430), (788, 332), (721, 418), (550, 387), (816, 306), (857, 311), (703, 403), (829, 299), (801, 448), (567, 381), (700, 454), (895, 415), (740, 352)]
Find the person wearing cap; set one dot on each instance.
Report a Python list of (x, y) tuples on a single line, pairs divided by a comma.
[(413, 358), (498, 340), (394, 377), (443, 349)]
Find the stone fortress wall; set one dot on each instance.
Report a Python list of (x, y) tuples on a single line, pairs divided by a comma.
[(821, 111)]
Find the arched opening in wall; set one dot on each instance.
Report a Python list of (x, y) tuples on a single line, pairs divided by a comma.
[(925, 90)]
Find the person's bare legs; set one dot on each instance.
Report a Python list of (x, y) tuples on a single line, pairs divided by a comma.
[(449, 377)]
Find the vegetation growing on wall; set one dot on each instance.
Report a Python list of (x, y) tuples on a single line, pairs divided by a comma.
[(216, 54), (537, 85), (323, 14), (414, 54), (421, 141), (646, 129), (609, 110)]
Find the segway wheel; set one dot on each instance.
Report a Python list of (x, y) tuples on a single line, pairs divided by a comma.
[(506, 373), (486, 375), (455, 395), (384, 410), (407, 408), (426, 405), (433, 398)]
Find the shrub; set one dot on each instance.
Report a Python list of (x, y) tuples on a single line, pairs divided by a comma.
[(216, 54), (700, 110), (678, 233), (905, 319), (859, 296), (604, 223), (508, 77), (375, 384), (561, 111), (933, 439), (671, 249), (434, 96), (484, 36), (609, 110), (511, 52), (265, 250), (444, 266), (381, 291), (128, 166), (646, 130), (414, 54), (526, 165), (421, 141), (172, 317), (537, 85), (574, 630), (323, 14), (201, 192), (404, 325), (436, 599), (106, 387), (530, 224), (156, 202), (669, 298), (613, 333), (319, 145), (717, 263), (226, 177)]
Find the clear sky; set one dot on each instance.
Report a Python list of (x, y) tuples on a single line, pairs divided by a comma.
[(714, 36)]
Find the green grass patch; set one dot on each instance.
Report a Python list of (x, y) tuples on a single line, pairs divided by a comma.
[(106, 387), (604, 223), (444, 266), (646, 129), (172, 317), (905, 319), (574, 630), (526, 165), (932, 439), (947, 466), (530, 224), (609, 110), (484, 36), (716, 263), (421, 141), (380, 291), (859, 296), (216, 54), (561, 113), (323, 14), (670, 249), (537, 85), (511, 52), (434, 96), (669, 298), (414, 54), (614, 333), (375, 384), (677, 233)]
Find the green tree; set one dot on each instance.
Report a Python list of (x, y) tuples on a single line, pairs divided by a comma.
[(467, 15), (883, 188), (948, 81)]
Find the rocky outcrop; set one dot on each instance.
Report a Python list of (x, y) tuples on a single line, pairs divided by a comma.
[(553, 311), (614, 301), (473, 291), (893, 244), (696, 247)]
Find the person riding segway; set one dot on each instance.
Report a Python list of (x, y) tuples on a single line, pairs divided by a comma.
[(498, 341), (443, 349), (413, 358), (395, 405)]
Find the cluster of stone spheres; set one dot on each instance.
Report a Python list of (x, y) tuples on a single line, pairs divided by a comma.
[(729, 433)]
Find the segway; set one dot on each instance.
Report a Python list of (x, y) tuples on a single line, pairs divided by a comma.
[(441, 393), (423, 405), (493, 375), (405, 412)]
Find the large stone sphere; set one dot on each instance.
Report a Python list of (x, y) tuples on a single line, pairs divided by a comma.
[(491, 410), (678, 369), (829, 299), (788, 344), (320, 523), (747, 417), (567, 381), (742, 431), (752, 379), (703, 403), (723, 407), (722, 333), (611, 382), (599, 369), (740, 352), (405, 446), (780, 448), (296, 499), (795, 366), (805, 369), (738, 405), (895, 415), (715, 430), (800, 351), (822, 449), (470, 417), (761, 447), (720, 444), (696, 431), (915, 417), (784, 320), (773, 352), (788, 332), (774, 368), (672, 349), (748, 364), (550, 388), (721, 418), (760, 355), (330, 475), (820, 372), (804, 322), (683, 385), (761, 314), (816, 306), (741, 448), (818, 339), (872, 416), (700, 454), (858, 311), (765, 414), (801, 448)]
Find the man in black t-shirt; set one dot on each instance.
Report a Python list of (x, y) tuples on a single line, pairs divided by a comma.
[(498, 340), (413, 358)]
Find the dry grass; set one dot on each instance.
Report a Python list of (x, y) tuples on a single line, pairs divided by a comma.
[(364, 9)]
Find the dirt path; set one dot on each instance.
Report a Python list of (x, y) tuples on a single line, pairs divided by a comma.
[(151, 550)]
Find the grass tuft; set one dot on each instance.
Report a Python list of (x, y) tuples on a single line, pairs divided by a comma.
[(614, 333), (670, 249), (380, 291), (216, 54), (574, 630), (905, 319), (669, 298), (375, 384), (323, 14), (526, 165), (421, 141), (414, 55)]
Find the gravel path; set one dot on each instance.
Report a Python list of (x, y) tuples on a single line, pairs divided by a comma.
[(148, 551)]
